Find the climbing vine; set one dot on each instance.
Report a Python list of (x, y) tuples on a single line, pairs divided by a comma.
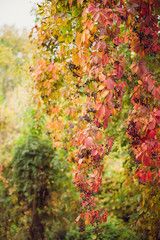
[(88, 53)]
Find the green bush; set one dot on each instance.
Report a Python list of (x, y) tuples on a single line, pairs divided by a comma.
[(113, 229), (38, 198)]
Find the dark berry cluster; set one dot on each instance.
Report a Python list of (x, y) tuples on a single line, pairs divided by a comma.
[(73, 68), (87, 118), (141, 101), (132, 131), (81, 227), (91, 110)]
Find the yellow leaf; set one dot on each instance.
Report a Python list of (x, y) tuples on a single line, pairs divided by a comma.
[(102, 86), (61, 38), (104, 93), (150, 238), (78, 39), (139, 82), (75, 58)]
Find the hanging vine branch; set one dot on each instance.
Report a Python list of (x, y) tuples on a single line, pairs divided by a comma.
[(81, 77)]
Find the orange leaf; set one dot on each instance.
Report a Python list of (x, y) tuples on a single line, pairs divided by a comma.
[(88, 220), (99, 136), (70, 3)]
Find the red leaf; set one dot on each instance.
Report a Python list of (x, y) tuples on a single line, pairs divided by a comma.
[(137, 47), (150, 84), (101, 111), (96, 60), (152, 123), (158, 163), (104, 2), (98, 105), (119, 70), (137, 174), (104, 217), (142, 67), (80, 1), (110, 83), (147, 161), (107, 112), (105, 123), (151, 134), (96, 16), (102, 45), (156, 92), (117, 41), (149, 176), (89, 142), (110, 141), (147, 31), (91, 8), (120, 10), (157, 113), (109, 96), (75, 171), (105, 59), (158, 120), (94, 152), (142, 175)]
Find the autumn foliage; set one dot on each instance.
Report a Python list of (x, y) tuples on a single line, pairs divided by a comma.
[(89, 53)]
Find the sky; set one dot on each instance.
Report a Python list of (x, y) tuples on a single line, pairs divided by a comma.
[(17, 12)]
